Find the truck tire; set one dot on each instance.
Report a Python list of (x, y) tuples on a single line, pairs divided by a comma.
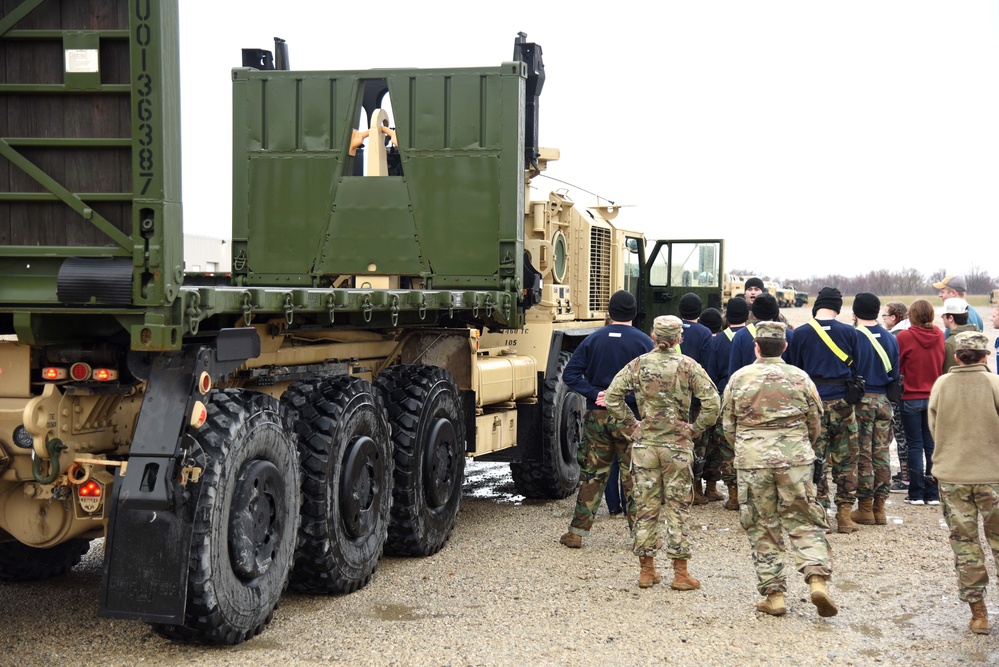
[(245, 521), (428, 435), (346, 465), (556, 475), (19, 562)]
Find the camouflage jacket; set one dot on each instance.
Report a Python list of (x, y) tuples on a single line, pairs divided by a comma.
[(771, 415), (663, 383)]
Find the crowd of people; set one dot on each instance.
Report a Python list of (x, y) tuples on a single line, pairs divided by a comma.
[(773, 411)]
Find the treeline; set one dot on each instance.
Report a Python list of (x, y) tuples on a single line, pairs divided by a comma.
[(907, 282)]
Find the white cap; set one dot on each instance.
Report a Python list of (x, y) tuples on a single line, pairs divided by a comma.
[(955, 306)]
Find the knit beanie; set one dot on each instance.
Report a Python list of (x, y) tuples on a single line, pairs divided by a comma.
[(765, 308), (754, 282), (830, 297), (690, 306), (622, 306), (866, 306), (712, 319), (737, 311)]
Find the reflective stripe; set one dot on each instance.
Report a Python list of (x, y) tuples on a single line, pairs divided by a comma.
[(877, 347), (843, 356)]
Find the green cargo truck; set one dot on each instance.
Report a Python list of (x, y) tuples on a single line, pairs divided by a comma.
[(396, 304)]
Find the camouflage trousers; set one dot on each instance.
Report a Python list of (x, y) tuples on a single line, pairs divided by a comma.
[(775, 498), (603, 439), (962, 504), (874, 416), (717, 454), (663, 482), (899, 432), (838, 446)]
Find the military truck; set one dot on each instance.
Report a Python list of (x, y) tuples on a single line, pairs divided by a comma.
[(396, 304), (800, 298)]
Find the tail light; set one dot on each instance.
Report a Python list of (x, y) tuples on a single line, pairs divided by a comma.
[(51, 373)]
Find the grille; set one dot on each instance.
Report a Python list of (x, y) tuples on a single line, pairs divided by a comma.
[(600, 269)]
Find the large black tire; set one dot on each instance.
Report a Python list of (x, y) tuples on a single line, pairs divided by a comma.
[(428, 434), (245, 522), (19, 562), (556, 475), (346, 460)]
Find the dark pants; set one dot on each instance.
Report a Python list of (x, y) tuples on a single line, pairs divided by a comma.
[(919, 443), (613, 493)]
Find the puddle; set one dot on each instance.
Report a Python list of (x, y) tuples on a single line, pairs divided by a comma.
[(490, 480), (866, 630), (402, 612)]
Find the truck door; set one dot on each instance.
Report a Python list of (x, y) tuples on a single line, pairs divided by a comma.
[(675, 268)]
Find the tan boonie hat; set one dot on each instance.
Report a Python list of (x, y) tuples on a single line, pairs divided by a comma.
[(771, 330), (667, 326), (972, 340)]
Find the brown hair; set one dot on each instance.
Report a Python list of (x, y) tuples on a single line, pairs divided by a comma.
[(921, 314), (896, 309), (971, 356), (665, 343), (770, 347)]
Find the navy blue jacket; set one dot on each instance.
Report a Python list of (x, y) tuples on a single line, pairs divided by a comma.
[(600, 356), (868, 362), (810, 353), (696, 342), (718, 356)]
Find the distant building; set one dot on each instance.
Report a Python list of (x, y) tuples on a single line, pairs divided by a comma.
[(206, 254)]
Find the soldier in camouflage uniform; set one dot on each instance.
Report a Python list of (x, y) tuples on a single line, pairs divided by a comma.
[(963, 415), (662, 449), (772, 415), (590, 369)]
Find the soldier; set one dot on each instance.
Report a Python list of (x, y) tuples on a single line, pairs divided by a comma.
[(591, 368), (964, 420), (662, 451), (877, 362), (824, 349), (772, 415)]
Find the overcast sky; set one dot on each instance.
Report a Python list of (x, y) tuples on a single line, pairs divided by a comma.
[(815, 137)]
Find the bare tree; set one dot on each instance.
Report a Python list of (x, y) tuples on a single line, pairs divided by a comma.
[(979, 281)]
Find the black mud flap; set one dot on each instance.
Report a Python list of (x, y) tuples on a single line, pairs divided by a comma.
[(149, 533)]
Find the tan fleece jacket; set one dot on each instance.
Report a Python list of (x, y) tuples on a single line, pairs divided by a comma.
[(964, 421)]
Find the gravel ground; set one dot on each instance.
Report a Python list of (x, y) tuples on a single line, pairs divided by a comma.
[(504, 592)]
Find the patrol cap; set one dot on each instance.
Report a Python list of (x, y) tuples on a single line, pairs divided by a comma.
[(667, 326), (972, 340), (771, 330), (955, 306)]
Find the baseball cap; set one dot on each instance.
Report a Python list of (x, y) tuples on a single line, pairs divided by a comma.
[(953, 282), (955, 306)]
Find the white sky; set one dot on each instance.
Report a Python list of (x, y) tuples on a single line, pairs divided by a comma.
[(856, 135)]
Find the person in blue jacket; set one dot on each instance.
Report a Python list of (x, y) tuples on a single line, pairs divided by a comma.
[(956, 287), (736, 314), (743, 352)]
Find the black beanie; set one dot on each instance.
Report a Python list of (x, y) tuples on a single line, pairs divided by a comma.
[(622, 306), (866, 306), (765, 308), (690, 306), (712, 319), (737, 310), (829, 297), (754, 282)]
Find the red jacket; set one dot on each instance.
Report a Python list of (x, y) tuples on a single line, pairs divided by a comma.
[(921, 355)]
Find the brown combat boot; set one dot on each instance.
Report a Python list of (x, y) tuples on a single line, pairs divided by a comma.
[(880, 516), (979, 618), (773, 605), (699, 498), (733, 498), (648, 577), (820, 596), (572, 540), (682, 581), (844, 524), (864, 514), (711, 491)]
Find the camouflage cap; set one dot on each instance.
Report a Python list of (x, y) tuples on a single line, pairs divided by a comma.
[(667, 326), (771, 330), (972, 340)]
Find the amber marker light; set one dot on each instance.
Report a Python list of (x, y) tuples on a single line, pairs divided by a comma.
[(91, 489), (204, 383), (105, 374), (54, 373), (80, 371), (199, 414)]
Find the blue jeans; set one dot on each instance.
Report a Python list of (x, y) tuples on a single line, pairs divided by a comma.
[(919, 443), (612, 493)]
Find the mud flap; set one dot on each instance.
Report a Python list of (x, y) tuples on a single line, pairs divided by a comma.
[(149, 532)]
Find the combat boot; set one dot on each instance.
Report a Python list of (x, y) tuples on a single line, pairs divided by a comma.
[(733, 498), (820, 596), (572, 540), (682, 581), (711, 491), (844, 524), (864, 514), (880, 516), (648, 577), (699, 498), (979, 618), (773, 605)]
